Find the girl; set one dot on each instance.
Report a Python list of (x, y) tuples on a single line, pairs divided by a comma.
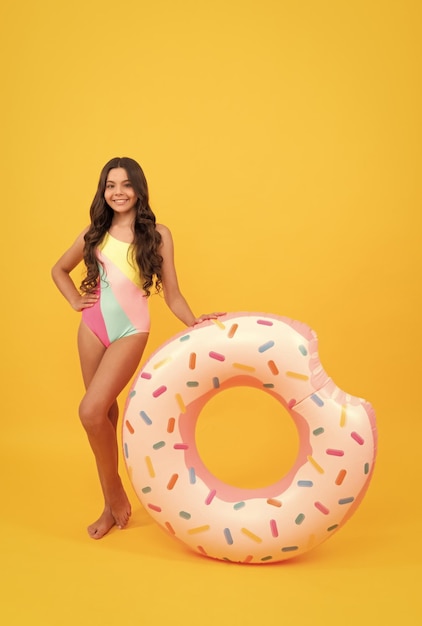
[(126, 255)]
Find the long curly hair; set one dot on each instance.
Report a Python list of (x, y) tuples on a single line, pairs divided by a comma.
[(146, 241)]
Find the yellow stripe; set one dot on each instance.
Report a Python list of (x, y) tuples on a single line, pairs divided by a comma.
[(161, 363), (241, 366), (198, 529), (315, 464), (297, 375), (117, 252), (251, 535), (150, 467), (343, 416), (180, 402)]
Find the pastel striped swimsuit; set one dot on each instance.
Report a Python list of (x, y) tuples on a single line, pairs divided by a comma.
[(122, 308)]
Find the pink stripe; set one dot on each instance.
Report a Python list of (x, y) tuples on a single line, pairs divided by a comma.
[(159, 391), (321, 508), (357, 438), (217, 356), (93, 318), (154, 507), (210, 497), (334, 452), (274, 529)]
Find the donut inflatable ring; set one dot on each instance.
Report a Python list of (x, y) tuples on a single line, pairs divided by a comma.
[(337, 440)]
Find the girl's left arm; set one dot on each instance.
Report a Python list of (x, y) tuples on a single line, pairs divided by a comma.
[(172, 294)]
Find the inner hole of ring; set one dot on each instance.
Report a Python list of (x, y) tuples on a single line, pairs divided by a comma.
[(246, 438)]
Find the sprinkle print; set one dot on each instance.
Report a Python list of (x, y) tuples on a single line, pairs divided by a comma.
[(267, 524)]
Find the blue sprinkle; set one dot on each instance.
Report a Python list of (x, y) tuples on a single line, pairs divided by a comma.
[(299, 519), (346, 500), (318, 431), (132, 393), (266, 346), (192, 383), (332, 527), (268, 385), (192, 475), (185, 515), (145, 417), (305, 483), (158, 445), (366, 468), (289, 548), (303, 350), (146, 489), (317, 400), (266, 558), (215, 382), (126, 451), (184, 338), (228, 536), (239, 505)]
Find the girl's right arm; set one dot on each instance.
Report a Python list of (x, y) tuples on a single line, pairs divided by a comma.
[(61, 276)]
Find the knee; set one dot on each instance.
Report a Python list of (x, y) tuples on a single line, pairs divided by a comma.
[(91, 414)]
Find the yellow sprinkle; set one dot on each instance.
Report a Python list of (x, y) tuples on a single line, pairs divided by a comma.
[(311, 541), (161, 363), (343, 416), (241, 366), (198, 529), (150, 467), (130, 472), (297, 375), (248, 533), (218, 323), (180, 403), (315, 464)]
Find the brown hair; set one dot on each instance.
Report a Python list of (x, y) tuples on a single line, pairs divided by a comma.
[(147, 239)]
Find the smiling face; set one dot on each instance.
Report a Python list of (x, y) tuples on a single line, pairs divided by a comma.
[(119, 193)]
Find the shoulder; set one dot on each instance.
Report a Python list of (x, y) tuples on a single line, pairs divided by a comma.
[(79, 242), (164, 232), (81, 235)]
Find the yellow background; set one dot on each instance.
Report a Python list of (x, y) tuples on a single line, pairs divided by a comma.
[(282, 146)]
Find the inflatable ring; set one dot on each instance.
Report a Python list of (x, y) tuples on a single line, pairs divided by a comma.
[(337, 440)]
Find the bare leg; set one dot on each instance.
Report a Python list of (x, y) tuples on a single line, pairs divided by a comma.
[(106, 372)]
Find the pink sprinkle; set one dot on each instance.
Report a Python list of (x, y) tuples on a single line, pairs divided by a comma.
[(321, 508), (180, 446), (159, 391), (291, 403), (217, 356), (335, 452), (154, 507), (210, 496), (264, 322), (274, 529), (357, 438), (146, 375)]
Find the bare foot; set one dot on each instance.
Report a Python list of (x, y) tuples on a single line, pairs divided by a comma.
[(117, 514), (103, 524), (120, 508)]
